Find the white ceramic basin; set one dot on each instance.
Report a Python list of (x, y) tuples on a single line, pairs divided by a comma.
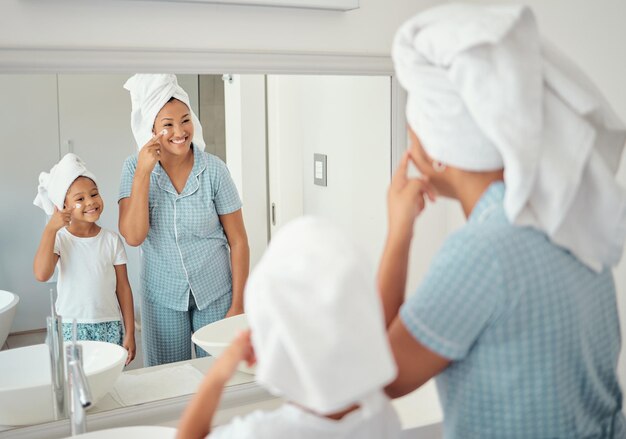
[(215, 337), (25, 383), (8, 306), (147, 432)]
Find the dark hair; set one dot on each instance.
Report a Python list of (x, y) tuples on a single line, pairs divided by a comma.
[(168, 101), (80, 176), (83, 176)]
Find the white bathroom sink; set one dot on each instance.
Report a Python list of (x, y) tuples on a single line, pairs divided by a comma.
[(25, 383), (215, 337), (142, 432), (8, 306)]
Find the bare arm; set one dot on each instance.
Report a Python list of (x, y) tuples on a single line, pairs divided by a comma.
[(416, 363), (405, 202), (134, 221), (392, 273), (198, 417), (239, 257), (45, 257), (125, 299)]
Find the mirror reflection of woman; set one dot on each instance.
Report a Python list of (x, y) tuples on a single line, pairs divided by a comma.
[(180, 204), (517, 316)]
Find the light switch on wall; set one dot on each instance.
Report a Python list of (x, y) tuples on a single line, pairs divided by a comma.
[(319, 169)]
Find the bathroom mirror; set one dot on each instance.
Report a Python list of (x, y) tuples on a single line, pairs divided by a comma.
[(268, 128)]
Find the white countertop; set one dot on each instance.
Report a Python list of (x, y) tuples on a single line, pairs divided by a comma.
[(113, 401), (417, 410)]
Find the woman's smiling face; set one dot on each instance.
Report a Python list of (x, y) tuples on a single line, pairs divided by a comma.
[(175, 118)]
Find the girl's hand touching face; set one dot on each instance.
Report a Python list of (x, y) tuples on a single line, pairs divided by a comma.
[(60, 218), (150, 153), (239, 350)]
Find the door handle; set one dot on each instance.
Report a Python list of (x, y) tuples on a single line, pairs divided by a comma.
[(273, 214)]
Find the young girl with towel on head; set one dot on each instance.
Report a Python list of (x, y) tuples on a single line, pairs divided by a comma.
[(93, 284), (318, 339)]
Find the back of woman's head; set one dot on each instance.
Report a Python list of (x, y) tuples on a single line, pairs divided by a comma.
[(486, 91)]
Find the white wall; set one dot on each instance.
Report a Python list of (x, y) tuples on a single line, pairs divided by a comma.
[(145, 24)]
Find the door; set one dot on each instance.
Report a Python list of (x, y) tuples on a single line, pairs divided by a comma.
[(347, 119)]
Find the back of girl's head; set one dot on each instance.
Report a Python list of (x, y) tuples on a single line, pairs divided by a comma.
[(316, 319)]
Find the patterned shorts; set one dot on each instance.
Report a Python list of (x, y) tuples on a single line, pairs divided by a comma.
[(111, 332)]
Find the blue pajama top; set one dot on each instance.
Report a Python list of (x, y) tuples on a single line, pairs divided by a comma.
[(186, 247), (533, 334)]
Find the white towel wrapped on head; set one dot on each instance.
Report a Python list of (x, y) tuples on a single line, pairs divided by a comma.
[(148, 94), (53, 186), (317, 324), (485, 93)]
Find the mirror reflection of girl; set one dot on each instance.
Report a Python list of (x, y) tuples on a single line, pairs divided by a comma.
[(93, 285), (180, 204), (319, 343), (517, 316)]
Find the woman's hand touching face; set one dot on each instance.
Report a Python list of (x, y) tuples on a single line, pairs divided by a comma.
[(150, 153), (406, 198)]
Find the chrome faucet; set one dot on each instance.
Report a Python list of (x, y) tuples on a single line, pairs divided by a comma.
[(54, 340), (78, 387)]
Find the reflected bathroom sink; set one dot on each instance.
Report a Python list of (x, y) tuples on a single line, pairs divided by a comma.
[(215, 337), (25, 383), (8, 306), (147, 432)]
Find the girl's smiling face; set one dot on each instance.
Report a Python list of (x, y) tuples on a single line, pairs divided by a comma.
[(85, 201), (175, 118)]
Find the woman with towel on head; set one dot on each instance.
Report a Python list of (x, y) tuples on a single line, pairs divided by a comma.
[(180, 204), (319, 342), (517, 315)]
